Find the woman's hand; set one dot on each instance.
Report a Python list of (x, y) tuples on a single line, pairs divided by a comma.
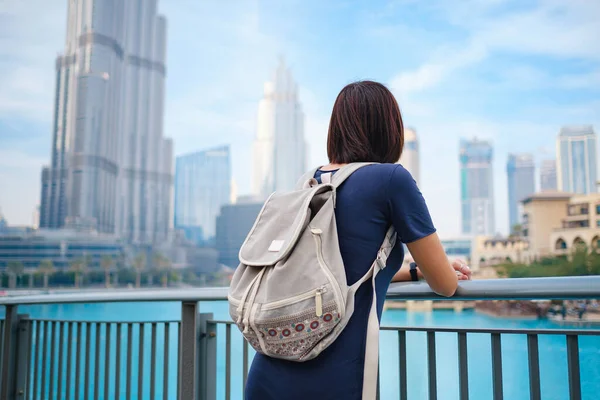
[(463, 272)]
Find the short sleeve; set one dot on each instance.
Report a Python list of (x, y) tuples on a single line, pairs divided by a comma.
[(407, 208)]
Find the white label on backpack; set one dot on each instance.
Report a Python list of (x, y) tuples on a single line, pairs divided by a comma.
[(276, 245)]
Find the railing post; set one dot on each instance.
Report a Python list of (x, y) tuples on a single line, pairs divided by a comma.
[(23, 357), (207, 358), (188, 340), (15, 355)]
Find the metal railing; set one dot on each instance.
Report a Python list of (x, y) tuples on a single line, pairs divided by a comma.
[(62, 359)]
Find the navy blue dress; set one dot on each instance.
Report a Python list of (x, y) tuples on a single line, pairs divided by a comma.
[(369, 201)]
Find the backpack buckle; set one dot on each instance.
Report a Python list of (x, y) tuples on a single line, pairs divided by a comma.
[(381, 259)]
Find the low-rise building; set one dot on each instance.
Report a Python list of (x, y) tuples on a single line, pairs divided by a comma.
[(60, 246), (542, 214), (490, 251), (580, 227)]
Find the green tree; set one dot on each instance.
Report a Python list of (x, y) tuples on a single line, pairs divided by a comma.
[(579, 263), (15, 270), (139, 262), (107, 264), (163, 265), (46, 267), (78, 267)]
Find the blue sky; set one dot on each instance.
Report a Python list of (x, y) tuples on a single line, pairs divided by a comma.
[(509, 71)]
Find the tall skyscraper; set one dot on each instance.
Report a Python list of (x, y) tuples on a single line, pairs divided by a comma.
[(279, 148), (548, 176), (410, 154), (520, 170), (202, 187), (111, 167), (577, 159), (477, 187)]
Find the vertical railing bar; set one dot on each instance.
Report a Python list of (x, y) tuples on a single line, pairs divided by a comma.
[(245, 366), (141, 364), (61, 340), (86, 378), (97, 363), (534, 367), (153, 361), (69, 356), (573, 365), (166, 363), (227, 362), (118, 363), (36, 362), (378, 393), (52, 358), (431, 365), (129, 359), (78, 356), (178, 358), (44, 359), (463, 368), (497, 366), (107, 350), (29, 356), (402, 365)]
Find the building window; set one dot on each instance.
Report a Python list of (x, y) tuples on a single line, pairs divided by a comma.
[(598, 209), (598, 223)]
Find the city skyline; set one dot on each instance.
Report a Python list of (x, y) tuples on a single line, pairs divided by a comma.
[(111, 167), (454, 76)]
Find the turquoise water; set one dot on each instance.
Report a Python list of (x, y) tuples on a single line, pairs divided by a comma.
[(552, 349)]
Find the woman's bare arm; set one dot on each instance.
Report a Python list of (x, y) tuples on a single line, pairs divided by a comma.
[(433, 264)]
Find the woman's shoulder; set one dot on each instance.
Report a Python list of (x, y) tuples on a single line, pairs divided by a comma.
[(392, 174)]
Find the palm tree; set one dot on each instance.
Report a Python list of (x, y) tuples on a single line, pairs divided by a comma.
[(139, 262), (78, 267), (107, 263), (46, 267), (162, 264), (15, 270)]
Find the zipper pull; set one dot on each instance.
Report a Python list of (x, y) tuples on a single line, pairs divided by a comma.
[(318, 303)]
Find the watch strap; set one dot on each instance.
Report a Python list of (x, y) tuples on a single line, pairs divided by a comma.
[(413, 272)]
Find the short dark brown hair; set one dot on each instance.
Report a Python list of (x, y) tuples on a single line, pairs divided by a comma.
[(366, 125)]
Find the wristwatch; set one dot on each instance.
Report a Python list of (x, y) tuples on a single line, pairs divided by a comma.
[(413, 272)]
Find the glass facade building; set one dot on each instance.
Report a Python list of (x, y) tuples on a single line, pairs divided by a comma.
[(233, 225), (520, 171), (577, 164), (202, 187), (548, 176), (61, 246), (477, 187)]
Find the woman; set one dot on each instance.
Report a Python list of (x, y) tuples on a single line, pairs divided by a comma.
[(366, 126)]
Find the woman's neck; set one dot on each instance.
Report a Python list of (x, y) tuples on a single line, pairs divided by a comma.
[(332, 167)]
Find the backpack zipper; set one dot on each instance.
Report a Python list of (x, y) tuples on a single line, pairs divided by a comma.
[(316, 293), (334, 283)]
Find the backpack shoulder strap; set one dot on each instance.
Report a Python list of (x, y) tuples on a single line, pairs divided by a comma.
[(347, 170), (305, 178), (337, 179)]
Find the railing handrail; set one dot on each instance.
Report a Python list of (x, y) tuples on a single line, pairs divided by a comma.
[(580, 287)]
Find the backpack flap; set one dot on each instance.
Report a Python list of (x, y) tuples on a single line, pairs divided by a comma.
[(278, 226)]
